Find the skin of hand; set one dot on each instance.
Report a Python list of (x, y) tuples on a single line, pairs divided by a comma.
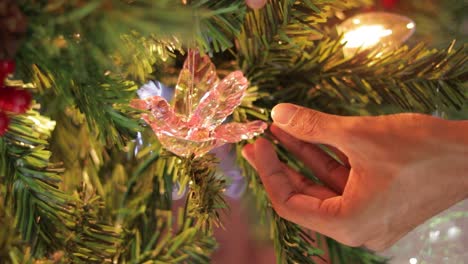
[(395, 172)]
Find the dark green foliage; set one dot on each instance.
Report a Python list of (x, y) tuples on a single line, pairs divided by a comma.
[(225, 20), (346, 255), (44, 213), (414, 79), (48, 219), (145, 211)]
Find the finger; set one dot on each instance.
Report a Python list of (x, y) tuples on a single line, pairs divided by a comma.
[(248, 152), (326, 168), (287, 202), (308, 187), (310, 125), (272, 173), (301, 184)]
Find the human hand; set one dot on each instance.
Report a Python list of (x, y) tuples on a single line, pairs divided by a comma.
[(396, 172)]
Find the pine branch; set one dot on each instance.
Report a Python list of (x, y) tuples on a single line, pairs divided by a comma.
[(43, 212), (94, 57), (78, 148), (216, 32), (140, 178), (145, 207), (92, 241), (341, 254), (186, 244), (418, 79), (206, 192), (278, 22), (292, 245), (370, 80), (150, 53), (12, 248), (49, 219)]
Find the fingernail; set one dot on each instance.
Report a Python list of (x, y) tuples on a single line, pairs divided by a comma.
[(283, 113)]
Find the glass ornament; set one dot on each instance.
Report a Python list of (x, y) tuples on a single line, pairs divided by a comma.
[(202, 102)]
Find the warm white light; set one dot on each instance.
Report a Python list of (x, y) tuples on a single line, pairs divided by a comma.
[(453, 232), (413, 261), (365, 36), (434, 235), (368, 30)]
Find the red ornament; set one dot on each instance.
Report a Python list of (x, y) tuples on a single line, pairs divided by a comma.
[(4, 122), (6, 67), (389, 4), (14, 100)]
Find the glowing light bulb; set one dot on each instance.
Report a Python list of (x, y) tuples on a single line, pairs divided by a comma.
[(365, 36), (375, 29)]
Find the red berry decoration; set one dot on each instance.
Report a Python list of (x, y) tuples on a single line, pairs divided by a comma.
[(14, 100), (6, 67), (4, 122), (389, 4)]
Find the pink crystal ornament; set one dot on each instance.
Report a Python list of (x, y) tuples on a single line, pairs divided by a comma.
[(202, 103)]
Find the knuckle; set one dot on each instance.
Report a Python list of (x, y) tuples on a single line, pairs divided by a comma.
[(331, 207), (334, 207)]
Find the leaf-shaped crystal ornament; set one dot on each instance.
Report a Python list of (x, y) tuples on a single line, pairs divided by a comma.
[(197, 77), (368, 30), (202, 103)]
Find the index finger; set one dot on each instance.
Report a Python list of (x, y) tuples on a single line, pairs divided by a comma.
[(303, 209)]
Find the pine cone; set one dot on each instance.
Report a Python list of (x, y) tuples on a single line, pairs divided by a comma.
[(13, 25)]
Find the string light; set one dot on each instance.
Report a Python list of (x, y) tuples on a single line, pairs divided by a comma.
[(373, 29)]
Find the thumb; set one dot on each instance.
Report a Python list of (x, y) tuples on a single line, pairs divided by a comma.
[(310, 125)]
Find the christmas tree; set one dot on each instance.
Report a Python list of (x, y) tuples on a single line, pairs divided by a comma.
[(88, 170)]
